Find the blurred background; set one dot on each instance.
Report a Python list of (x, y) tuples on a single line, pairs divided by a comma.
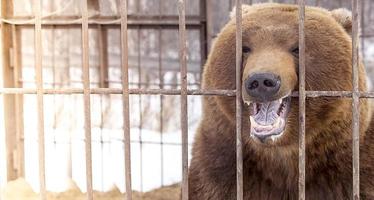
[(153, 63)]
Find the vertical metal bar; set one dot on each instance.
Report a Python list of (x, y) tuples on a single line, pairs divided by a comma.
[(355, 100), (39, 93), (301, 99), (87, 100), (239, 153), (184, 113), (125, 96)]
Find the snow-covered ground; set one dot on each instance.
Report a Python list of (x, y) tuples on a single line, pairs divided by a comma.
[(152, 164)]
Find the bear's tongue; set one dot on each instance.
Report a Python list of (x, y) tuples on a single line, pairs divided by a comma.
[(267, 113)]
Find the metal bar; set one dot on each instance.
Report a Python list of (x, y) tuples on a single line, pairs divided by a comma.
[(137, 91), (301, 100), (183, 98), (125, 97), (108, 25), (108, 81), (192, 21), (87, 100), (39, 93), (355, 100), (239, 151)]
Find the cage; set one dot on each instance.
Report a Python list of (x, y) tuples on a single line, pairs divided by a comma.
[(100, 97)]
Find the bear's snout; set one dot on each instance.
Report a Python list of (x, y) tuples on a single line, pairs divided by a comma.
[(262, 86)]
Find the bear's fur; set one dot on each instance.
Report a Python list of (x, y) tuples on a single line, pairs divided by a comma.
[(271, 168)]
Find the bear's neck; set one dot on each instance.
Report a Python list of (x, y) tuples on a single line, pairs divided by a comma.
[(280, 165), (329, 153)]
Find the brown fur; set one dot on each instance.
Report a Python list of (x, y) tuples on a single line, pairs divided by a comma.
[(271, 169)]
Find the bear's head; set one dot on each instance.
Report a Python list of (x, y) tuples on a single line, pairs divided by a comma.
[(270, 74)]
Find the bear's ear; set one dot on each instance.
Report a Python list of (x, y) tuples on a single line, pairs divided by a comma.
[(344, 17), (245, 9)]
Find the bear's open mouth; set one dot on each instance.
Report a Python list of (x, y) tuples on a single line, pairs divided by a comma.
[(268, 119)]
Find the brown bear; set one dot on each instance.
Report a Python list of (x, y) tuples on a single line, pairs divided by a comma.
[(270, 115)]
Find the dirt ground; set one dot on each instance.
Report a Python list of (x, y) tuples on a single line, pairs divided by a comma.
[(21, 190)]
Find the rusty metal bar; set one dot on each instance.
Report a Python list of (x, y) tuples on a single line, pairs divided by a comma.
[(183, 92), (171, 21), (301, 100), (125, 97), (87, 100), (355, 100), (39, 93), (137, 91), (239, 153)]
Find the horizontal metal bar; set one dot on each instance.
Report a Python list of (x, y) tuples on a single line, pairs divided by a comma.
[(194, 21), (119, 91), (130, 17), (136, 91)]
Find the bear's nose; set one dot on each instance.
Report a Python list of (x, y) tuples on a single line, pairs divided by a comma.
[(262, 86)]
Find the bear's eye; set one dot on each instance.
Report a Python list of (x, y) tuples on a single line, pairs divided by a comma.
[(246, 49), (295, 52)]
